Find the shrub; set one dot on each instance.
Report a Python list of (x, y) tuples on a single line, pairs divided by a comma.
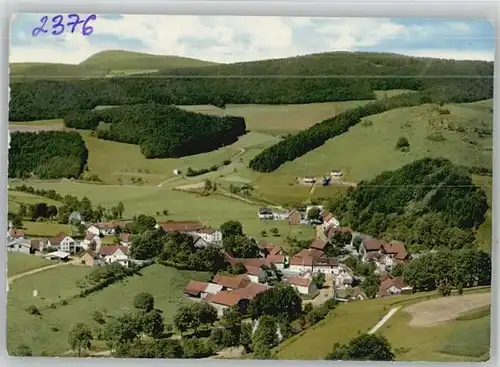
[(33, 310), (402, 143)]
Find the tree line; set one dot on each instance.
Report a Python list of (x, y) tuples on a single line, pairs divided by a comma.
[(427, 204), (305, 79), (47, 155), (161, 131)]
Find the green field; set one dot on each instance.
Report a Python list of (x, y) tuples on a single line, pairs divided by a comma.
[(280, 119), (368, 148), (458, 340), (18, 263), (164, 283), (357, 317)]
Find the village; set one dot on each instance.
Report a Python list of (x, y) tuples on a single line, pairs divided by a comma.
[(313, 272)]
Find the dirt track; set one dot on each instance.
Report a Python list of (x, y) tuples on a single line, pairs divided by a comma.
[(429, 313), (33, 128)]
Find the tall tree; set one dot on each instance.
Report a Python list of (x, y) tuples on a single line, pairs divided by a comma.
[(80, 338)]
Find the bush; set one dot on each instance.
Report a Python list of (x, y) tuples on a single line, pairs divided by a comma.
[(33, 310), (402, 143)]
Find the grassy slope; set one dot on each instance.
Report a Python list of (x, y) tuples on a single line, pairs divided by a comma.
[(164, 283), (19, 263), (52, 69), (350, 319), (369, 149)]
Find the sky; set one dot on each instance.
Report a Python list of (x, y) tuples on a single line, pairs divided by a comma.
[(228, 39)]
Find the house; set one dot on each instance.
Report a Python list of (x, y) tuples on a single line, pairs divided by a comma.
[(344, 277), (329, 220), (90, 258), (350, 294), (183, 227), (309, 180), (176, 172), (57, 255), (313, 260), (19, 245), (265, 213), (251, 290), (223, 300), (126, 239), (38, 245), (253, 273), (93, 229), (294, 218), (112, 254), (14, 233), (370, 246), (201, 289), (280, 215), (230, 282), (210, 235), (267, 249), (395, 251), (64, 243), (91, 241), (319, 244), (392, 286), (302, 285), (108, 228)]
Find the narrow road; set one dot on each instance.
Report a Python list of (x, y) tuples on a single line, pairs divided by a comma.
[(384, 320), (37, 270)]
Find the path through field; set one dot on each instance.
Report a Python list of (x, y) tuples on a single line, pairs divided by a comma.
[(384, 320), (37, 270)]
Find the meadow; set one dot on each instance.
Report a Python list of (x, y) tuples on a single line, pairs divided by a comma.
[(48, 333), (348, 320), (18, 263), (464, 135)]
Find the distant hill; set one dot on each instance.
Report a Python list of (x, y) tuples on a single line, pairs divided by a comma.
[(107, 63), (339, 76), (127, 60)]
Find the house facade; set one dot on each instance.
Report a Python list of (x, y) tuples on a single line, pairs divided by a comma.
[(294, 218), (303, 285), (210, 235), (64, 243), (19, 245), (92, 241), (265, 213), (90, 258), (118, 254)]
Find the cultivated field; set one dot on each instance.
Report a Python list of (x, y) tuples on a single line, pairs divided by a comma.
[(350, 319), (18, 263), (48, 333), (463, 136)]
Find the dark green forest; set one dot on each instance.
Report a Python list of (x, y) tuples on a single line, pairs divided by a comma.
[(427, 204), (47, 155), (164, 131), (313, 78)]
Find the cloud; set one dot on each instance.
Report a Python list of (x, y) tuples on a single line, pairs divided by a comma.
[(239, 38)]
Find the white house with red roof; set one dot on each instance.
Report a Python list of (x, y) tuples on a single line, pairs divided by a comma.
[(210, 235), (302, 285), (329, 220), (65, 243), (92, 240), (112, 254)]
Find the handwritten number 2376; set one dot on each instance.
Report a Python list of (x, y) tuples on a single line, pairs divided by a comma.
[(58, 26)]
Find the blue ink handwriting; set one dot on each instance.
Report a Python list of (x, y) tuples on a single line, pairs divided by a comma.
[(58, 25)]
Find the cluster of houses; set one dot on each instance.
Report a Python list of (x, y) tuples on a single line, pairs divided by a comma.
[(299, 270)]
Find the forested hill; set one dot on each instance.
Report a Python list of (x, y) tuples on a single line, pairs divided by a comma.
[(427, 204), (305, 79)]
